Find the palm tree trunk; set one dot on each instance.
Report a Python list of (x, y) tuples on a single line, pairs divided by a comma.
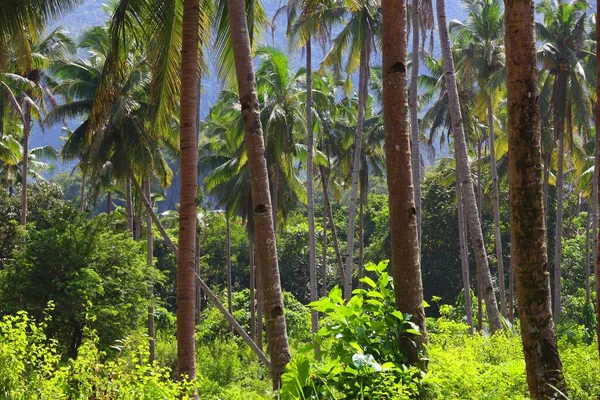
[(404, 232), (587, 257), (496, 201), (108, 203), (559, 127), (128, 206), (479, 208), (312, 246), (25, 160), (228, 256), (460, 147), (511, 277), (137, 221), (199, 273), (414, 112), (363, 80), (252, 282), (324, 257), (361, 223), (186, 257), (150, 261), (268, 268), (329, 211), (530, 259), (464, 254)]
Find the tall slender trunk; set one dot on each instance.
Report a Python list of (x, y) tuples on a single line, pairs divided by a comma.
[(595, 209), (150, 261), (199, 273), (587, 257), (25, 160), (137, 220), (268, 268), (404, 232), (329, 211), (530, 259), (460, 147), (186, 257), (128, 206), (312, 246), (252, 269), (324, 256), (361, 223), (496, 201), (414, 112), (363, 81), (559, 128), (479, 208), (108, 203), (464, 254), (228, 257)]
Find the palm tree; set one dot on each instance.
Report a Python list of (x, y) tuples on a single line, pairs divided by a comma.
[(530, 260), (562, 33), (268, 268), (406, 264), (465, 173), (483, 57)]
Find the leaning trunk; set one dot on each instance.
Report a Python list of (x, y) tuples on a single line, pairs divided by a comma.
[(186, 257), (363, 80), (496, 201), (266, 248), (312, 246), (460, 147), (530, 259), (414, 112), (404, 232)]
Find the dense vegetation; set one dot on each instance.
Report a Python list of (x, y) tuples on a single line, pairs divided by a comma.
[(363, 227)]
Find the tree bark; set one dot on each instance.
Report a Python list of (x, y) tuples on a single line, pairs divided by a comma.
[(329, 211), (511, 276), (186, 257), (543, 365), (479, 208), (150, 261), (228, 256), (268, 268), (25, 160), (404, 235), (363, 81), (312, 246), (460, 147), (464, 254), (496, 201), (361, 223), (414, 112)]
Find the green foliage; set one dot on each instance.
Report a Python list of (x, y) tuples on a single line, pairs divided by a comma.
[(30, 367), (97, 278), (361, 356)]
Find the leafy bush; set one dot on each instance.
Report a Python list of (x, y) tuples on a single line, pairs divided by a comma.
[(361, 356), (95, 277), (30, 367)]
